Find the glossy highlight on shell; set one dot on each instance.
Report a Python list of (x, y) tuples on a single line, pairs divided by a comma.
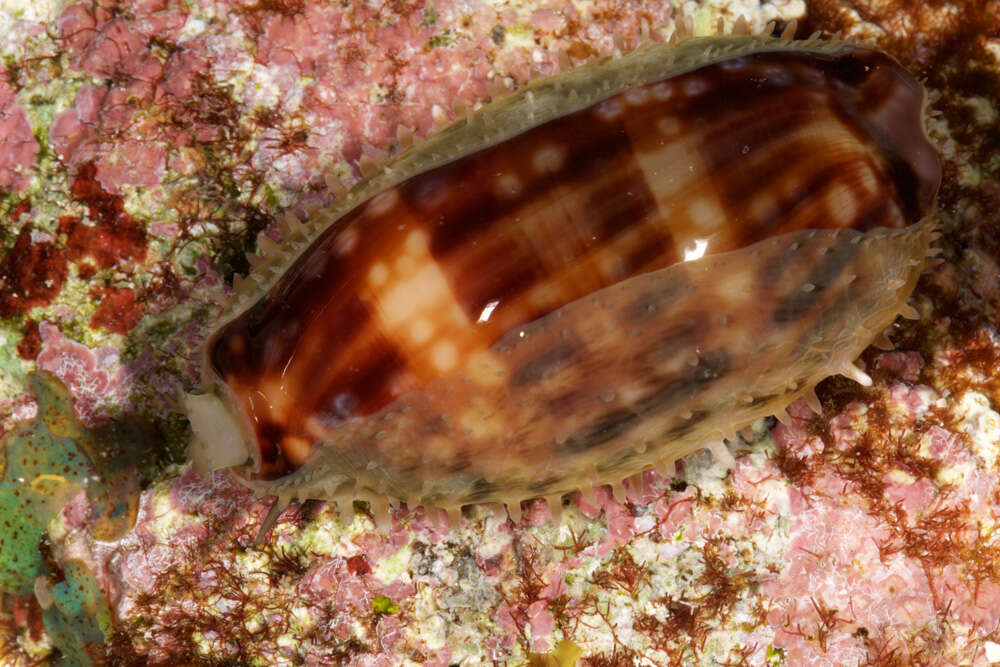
[(602, 272)]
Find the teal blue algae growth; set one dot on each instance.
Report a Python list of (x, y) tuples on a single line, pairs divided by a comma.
[(79, 615), (43, 463)]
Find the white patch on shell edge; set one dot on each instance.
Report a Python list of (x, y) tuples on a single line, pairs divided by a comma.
[(548, 159), (609, 109)]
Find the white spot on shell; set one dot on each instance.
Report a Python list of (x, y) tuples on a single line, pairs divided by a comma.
[(432, 191), (609, 109), (421, 331), (406, 265), (345, 404), (841, 203), (378, 274), (867, 181), (548, 159), (669, 126), (507, 185), (775, 74), (662, 90), (416, 242), (763, 207), (694, 85), (403, 299), (381, 203), (347, 241), (732, 64), (705, 213), (444, 355), (637, 96)]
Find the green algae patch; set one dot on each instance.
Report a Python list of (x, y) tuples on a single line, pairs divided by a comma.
[(383, 604), (45, 463), (565, 654)]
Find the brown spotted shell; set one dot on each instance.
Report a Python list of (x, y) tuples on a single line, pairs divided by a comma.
[(609, 269)]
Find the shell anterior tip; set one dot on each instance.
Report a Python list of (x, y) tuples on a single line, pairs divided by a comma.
[(218, 441), (909, 312)]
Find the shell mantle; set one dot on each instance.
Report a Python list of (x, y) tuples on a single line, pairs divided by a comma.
[(601, 272)]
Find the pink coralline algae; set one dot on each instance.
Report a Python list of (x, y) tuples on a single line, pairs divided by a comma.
[(78, 135), (93, 376), (879, 541), (330, 115), (107, 42), (18, 146), (344, 590), (906, 365), (106, 124)]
